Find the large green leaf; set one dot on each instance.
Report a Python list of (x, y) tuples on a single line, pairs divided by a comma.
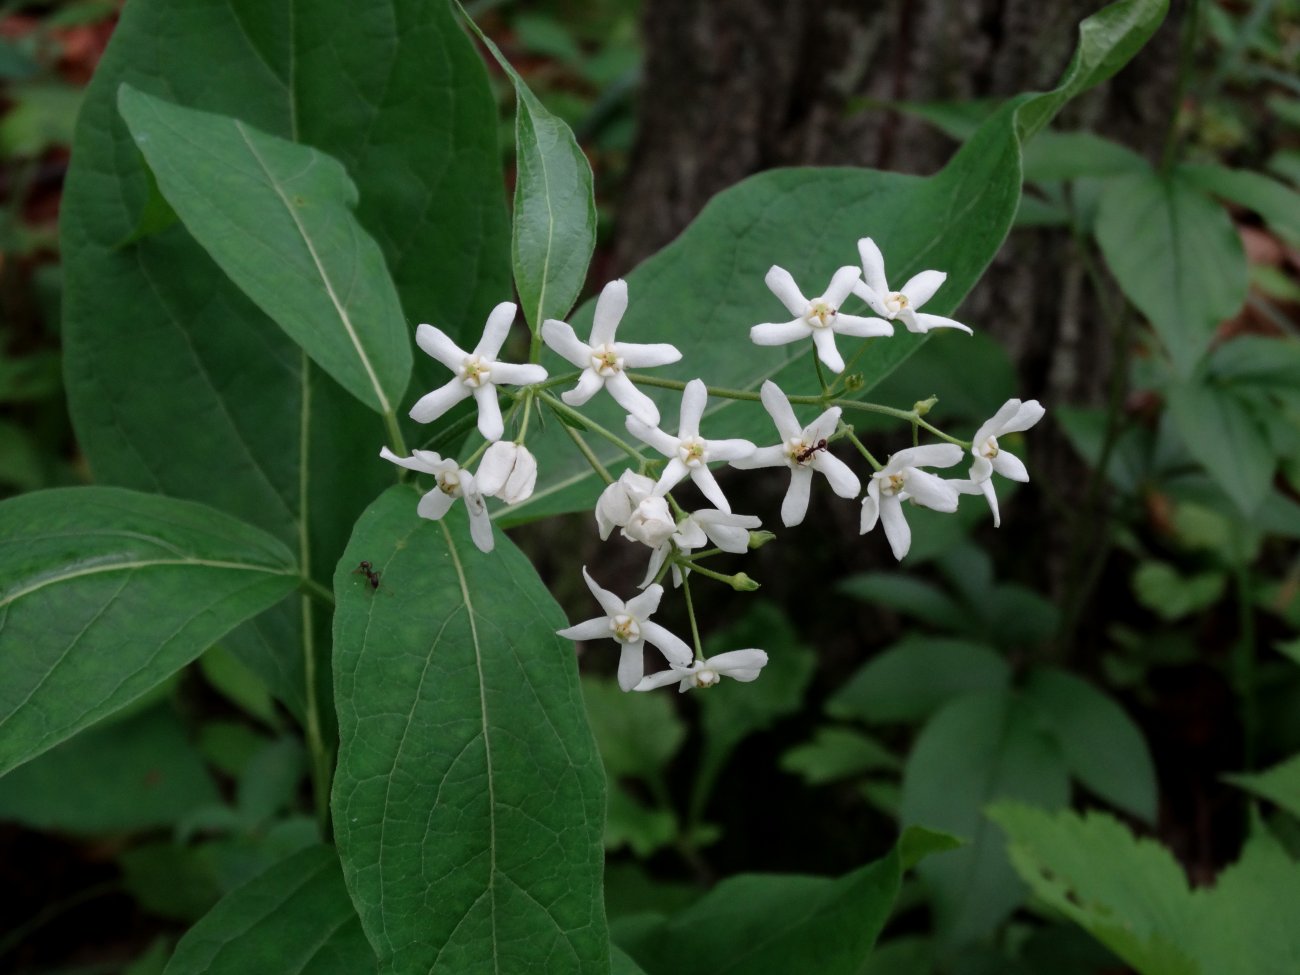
[(294, 919), (979, 748), (765, 924), (1279, 784), (1276, 202), (704, 291), (106, 592), (555, 209), (1222, 433), (1176, 256), (469, 795), (177, 382), (278, 218)]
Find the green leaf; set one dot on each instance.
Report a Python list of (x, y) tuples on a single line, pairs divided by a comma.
[(915, 597), (277, 218), (294, 919), (177, 382), (1165, 591), (915, 678), (469, 797), (762, 924), (638, 734), (703, 292), (1055, 156), (981, 747), (104, 593), (1103, 747), (837, 753), (1176, 256), (1276, 202), (131, 774), (628, 823), (555, 208), (1223, 435), (1279, 784), (238, 684)]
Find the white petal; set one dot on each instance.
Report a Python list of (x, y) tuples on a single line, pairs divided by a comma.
[(991, 496), (875, 301), (480, 523), (838, 474), (824, 339), (489, 412), (632, 399), (729, 450), (896, 528), (772, 333), (794, 506), (424, 461), (742, 665), (597, 629), (925, 322), (495, 467), (911, 320), (708, 486), (610, 603), (995, 424), (729, 532), (523, 479), (930, 491), (647, 356), (930, 455), (610, 307), (778, 408), (657, 558), (778, 279), (650, 434), (980, 470), (495, 331), (673, 649), (862, 328), (1028, 414), (430, 406), (694, 398), (773, 456), (561, 337), (644, 604), (690, 535), (673, 474), (822, 427), (873, 266), (870, 509), (663, 678), (841, 285), (589, 384), (434, 505), (435, 342), (517, 373), (631, 665), (1010, 466), (920, 288)]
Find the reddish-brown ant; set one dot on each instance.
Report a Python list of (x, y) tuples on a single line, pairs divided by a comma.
[(807, 452), (370, 572)]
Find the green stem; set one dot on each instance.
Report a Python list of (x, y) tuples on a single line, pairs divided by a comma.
[(863, 450), (1186, 64), (395, 434), (314, 590), (563, 409), (722, 392), (563, 380), (909, 415), (708, 552), (588, 453), (529, 396), (710, 574), (690, 612), (821, 376)]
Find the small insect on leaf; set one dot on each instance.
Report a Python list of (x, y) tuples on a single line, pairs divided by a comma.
[(368, 570)]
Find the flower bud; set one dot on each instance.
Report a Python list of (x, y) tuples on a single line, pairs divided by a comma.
[(922, 407), (650, 522), (507, 471), (619, 500), (743, 583), (759, 539)]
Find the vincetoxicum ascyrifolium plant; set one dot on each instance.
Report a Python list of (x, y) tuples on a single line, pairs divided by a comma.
[(256, 212)]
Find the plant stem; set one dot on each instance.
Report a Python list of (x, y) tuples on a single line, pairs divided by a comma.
[(722, 392), (690, 612), (862, 449), (563, 409), (395, 433), (821, 376), (909, 415), (313, 589), (529, 396), (587, 452), (710, 574)]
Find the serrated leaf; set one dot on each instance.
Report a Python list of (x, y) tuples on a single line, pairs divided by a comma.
[(979, 748), (555, 208), (104, 593), (278, 218), (1103, 747), (469, 798), (294, 919), (1176, 256), (1279, 784)]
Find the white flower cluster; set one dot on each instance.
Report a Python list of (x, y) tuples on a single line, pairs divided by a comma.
[(640, 503)]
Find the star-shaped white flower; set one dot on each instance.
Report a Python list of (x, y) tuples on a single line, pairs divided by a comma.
[(727, 531), (453, 482), (628, 624), (688, 453), (1012, 417), (821, 318), (742, 665), (602, 360), (803, 450), (901, 479), (478, 373), (900, 305)]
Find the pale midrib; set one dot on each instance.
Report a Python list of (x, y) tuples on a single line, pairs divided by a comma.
[(348, 327), (131, 566), (487, 742)]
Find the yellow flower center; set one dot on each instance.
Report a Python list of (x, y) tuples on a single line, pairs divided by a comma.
[(895, 301), (474, 371), (820, 314), (449, 484), (624, 628), (606, 361), (691, 451)]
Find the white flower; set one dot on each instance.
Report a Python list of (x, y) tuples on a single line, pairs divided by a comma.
[(507, 471), (820, 318), (1013, 417), (617, 502), (803, 450), (689, 453), (453, 482), (727, 531), (650, 523), (901, 479), (602, 360), (900, 305), (628, 624), (743, 665), (478, 373)]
